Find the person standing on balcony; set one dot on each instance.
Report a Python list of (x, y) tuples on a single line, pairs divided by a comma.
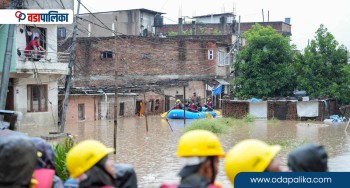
[(34, 47)]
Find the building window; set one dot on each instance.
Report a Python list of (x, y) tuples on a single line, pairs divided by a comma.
[(156, 107), (210, 54), (32, 32), (227, 60), (61, 33), (151, 101), (180, 97), (221, 58), (106, 55), (37, 98)]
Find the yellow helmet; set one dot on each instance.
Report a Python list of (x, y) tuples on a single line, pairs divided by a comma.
[(209, 99), (178, 100), (85, 155), (199, 143), (249, 155)]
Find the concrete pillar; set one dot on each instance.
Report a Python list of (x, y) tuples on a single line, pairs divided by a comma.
[(223, 21), (193, 27), (180, 27)]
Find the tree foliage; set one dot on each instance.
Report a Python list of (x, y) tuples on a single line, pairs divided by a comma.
[(264, 66), (322, 70)]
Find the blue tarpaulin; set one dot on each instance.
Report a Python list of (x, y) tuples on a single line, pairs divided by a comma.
[(217, 90)]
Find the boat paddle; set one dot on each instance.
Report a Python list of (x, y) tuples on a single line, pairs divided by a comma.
[(165, 113)]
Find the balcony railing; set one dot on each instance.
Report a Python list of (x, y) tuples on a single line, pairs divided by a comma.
[(42, 56)]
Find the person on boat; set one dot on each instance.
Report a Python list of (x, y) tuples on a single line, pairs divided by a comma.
[(308, 158), (252, 155), (192, 107), (89, 165), (196, 99), (199, 106), (178, 105), (209, 105), (200, 151), (18, 157), (45, 167), (187, 104)]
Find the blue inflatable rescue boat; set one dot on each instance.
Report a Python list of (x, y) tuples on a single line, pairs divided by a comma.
[(179, 114)]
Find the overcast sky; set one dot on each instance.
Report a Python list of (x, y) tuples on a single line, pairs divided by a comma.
[(306, 15)]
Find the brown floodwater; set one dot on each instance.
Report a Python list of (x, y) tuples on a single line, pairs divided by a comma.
[(152, 153)]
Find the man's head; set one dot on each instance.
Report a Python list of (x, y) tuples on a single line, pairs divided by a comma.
[(85, 155), (308, 158), (252, 155), (200, 151), (18, 157), (36, 38)]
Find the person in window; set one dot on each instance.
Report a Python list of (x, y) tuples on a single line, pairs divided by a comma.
[(34, 47)]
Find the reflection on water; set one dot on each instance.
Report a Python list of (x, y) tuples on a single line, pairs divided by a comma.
[(152, 153)]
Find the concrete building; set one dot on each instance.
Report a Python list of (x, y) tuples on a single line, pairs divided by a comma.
[(139, 22), (215, 18), (34, 76)]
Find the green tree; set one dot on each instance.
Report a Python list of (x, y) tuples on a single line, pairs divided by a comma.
[(322, 69), (264, 66)]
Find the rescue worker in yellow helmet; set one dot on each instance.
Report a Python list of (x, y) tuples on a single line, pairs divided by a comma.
[(252, 155), (178, 105), (200, 151), (88, 163)]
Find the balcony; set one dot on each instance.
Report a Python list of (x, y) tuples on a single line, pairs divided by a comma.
[(42, 62)]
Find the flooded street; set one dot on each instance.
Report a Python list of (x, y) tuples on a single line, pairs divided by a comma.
[(152, 153)]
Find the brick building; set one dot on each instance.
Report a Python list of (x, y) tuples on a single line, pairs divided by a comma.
[(161, 66)]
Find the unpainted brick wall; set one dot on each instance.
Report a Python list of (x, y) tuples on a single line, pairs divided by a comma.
[(142, 56), (235, 109), (291, 109)]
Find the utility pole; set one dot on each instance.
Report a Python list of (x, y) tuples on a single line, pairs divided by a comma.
[(239, 33), (5, 76), (145, 110), (184, 106), (115, 127), (262, 12), (68, 83)]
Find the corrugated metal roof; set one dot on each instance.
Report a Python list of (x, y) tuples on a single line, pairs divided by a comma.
[(222, 82)]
